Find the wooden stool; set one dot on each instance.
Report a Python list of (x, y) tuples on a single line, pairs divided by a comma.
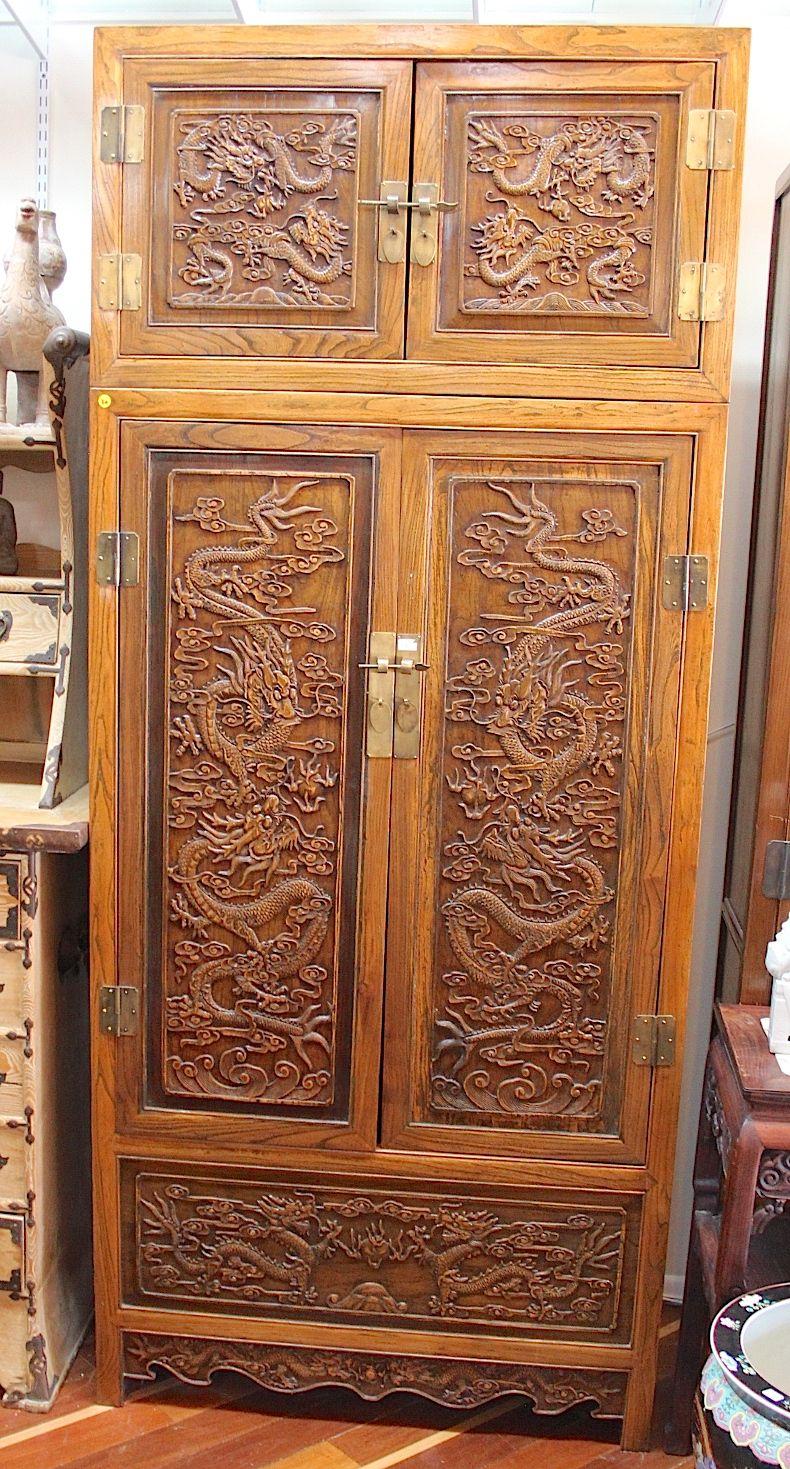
[(741, 1183)]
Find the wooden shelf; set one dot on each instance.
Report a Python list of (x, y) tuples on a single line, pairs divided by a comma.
[(23, 826)]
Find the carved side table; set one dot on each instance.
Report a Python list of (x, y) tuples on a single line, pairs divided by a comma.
[(741, 1187), (45, 1256)]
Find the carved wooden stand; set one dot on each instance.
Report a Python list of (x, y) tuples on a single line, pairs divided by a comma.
[(741, 1186), (403, 671)]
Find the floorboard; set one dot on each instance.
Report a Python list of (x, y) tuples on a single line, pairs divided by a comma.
[(166, 1425)]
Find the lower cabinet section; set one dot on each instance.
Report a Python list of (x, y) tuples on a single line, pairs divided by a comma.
[(457, 1383), (399, 1254)]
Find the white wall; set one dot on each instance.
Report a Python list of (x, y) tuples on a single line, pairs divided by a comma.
[(767, 154)]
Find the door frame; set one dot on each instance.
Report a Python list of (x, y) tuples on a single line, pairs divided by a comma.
[(367, 909)]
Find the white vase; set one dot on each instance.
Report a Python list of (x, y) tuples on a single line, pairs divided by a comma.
[(52, 256)]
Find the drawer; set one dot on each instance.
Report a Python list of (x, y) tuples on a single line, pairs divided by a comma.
[(13, 1044), (530, 1264), (29, 627), (14, 1362), (12, 986), (16, 1135), (12, 1254)]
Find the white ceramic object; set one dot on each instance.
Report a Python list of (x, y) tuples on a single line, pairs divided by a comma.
[(27, 316), (777, 962)]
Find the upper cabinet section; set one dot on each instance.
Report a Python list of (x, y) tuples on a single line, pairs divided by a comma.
[(552, 212), (572, 212)]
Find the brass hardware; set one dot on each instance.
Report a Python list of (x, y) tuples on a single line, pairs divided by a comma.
[(122, 134), (117, 558), (711, 139), (381, 694), (394, 697), (684, 583), (119, 1009), (776, 871), (425, 228), (391, 234), (120, 282), (701, 293), (408, 697), (104, 400), (653, 1040)]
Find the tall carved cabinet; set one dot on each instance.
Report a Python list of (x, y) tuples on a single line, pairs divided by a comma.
[(410, 354)]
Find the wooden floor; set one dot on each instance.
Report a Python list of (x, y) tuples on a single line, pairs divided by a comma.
[(234, 1425)]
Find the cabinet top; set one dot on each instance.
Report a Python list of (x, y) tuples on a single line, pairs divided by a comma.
[(462, 41)]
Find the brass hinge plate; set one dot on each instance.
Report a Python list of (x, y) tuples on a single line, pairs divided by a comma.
[(120, 282), (711, 138), (119, 1009), (684, 583), (117, 558), (122, 134), (776, 871), (653, 1040), (701, 292), (391, 206)]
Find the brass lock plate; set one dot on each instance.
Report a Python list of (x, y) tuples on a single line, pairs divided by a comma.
[(381, 695), (408, 697)]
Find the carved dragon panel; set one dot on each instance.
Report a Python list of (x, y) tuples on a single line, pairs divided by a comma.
[(536, 697), (372, 1375), (264, 205), (255, 710), (559, 213), (410, 1257)]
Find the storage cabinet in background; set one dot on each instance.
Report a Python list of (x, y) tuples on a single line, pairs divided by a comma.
[(393, 893)]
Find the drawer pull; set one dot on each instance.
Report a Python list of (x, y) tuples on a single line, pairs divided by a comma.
[(6, 623)]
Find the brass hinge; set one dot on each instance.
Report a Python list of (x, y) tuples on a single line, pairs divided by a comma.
[(118, 558), (684, 583), (711, 138), (776, 871), (653, 1040), (122, 134), (120, 282), (701, 292), (119, 1009)]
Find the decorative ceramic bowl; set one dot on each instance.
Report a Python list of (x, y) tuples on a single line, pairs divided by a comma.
[(742, 1411)]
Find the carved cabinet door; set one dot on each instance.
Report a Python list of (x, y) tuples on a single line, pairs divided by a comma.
[(247, 209), (568, 210), (530, 838), (249, 922)]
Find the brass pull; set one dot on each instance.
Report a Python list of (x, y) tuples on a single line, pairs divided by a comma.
[(425, 231)]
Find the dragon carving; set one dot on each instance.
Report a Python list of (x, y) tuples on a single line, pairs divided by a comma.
[(519, 1026), (295, 1247), (256, 224), (249, 1008), (572, 203)]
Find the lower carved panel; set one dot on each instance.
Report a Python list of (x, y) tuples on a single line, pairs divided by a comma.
[(536, 1264), (454, 1383)]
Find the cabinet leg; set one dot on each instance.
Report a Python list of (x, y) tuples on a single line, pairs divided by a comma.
[(694, 1322), (109, 1366)]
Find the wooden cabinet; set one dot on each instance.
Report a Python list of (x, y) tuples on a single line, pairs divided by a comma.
[(399, 716), (45, 1254)]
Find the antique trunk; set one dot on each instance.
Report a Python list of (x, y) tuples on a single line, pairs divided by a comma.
[(411, 352)]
